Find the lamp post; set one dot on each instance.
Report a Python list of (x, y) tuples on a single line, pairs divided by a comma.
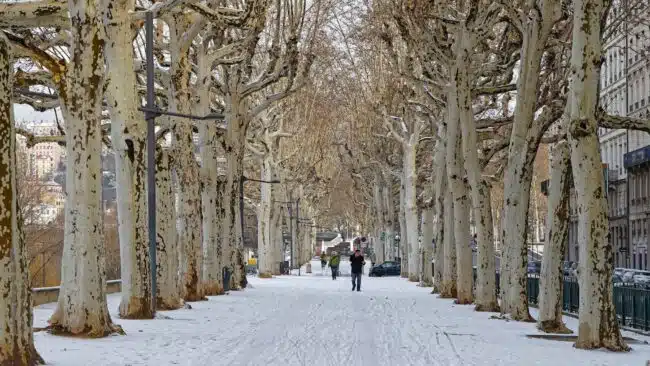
[(151, 111)]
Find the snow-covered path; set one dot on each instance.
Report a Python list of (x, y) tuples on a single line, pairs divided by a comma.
[(312, 320)]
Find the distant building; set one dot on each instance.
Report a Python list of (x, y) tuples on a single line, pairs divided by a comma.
[(43, 215), (43, 159), (53, 195)]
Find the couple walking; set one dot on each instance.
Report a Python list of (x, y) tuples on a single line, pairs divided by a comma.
[(356, 262)]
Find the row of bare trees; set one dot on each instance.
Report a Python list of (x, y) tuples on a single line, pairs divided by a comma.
[(245, 60), (454, 103)]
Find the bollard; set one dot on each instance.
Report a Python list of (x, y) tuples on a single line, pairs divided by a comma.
[(308, 267), (226, 279)]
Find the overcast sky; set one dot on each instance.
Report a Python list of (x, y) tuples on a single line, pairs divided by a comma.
[(23, 112)]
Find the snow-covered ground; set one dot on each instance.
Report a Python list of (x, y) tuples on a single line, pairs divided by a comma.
[(313, 320)]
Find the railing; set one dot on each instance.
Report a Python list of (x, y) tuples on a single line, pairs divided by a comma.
[(44, 295), (632, 302)]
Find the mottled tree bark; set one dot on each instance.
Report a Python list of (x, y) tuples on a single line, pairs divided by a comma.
[(82, 307), (16, 336), (186, 166), (597, 314), (458, 187), (552, 274), (128, 133), (167, 259), (537, 23)]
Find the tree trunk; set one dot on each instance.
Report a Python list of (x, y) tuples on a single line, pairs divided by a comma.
[(168, 296), (403, 242), (264, 238), (186, 166), (597, 315), (522, 150), (16, 336), (448, 288), (379, 218), (211, 281), (552, 274), (389, 220), (411, 209), (486, 299), (439, 194), (458, 188), (234, 145), (427, 249), (277, 234), (128, 135), (82, 308), (486, 292)]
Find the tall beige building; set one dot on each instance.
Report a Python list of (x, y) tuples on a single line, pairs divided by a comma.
[(42, 159)]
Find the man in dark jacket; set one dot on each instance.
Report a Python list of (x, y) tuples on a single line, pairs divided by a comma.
[(357, 262)]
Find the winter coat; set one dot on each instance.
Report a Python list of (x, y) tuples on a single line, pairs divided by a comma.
[(357, 263), (335, 260)]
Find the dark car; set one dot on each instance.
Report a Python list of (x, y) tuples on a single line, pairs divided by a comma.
[(534, 267), (389, 268)]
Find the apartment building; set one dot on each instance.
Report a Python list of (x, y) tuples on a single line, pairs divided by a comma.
[(625, 91), (40, 160)]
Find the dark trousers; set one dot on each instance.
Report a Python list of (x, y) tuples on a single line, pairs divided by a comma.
[(356, 281), (335, 272)]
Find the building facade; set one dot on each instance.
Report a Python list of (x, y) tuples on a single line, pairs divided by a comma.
[(42, 159), (624, 91)]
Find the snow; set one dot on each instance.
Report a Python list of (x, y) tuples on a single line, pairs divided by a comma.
[(313, 320)]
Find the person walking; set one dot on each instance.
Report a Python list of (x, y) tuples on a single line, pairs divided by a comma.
[(334, 264), (357, 262), (323, 261)]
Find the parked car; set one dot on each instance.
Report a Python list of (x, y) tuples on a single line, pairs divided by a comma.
[(534, 267), (567, 269), (617, 280), (389, 268)]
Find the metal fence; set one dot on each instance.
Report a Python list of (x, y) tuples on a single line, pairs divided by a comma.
[(632, 302)]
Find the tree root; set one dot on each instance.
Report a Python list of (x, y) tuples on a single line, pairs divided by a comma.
[(212, 289), (87, 332), (463, 302), (165, 304), (553, 326), (194, 297), (525, 319), (487, 308), (611, 340), (23, 357), (413, 278), (265, 275), (136, 308)]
